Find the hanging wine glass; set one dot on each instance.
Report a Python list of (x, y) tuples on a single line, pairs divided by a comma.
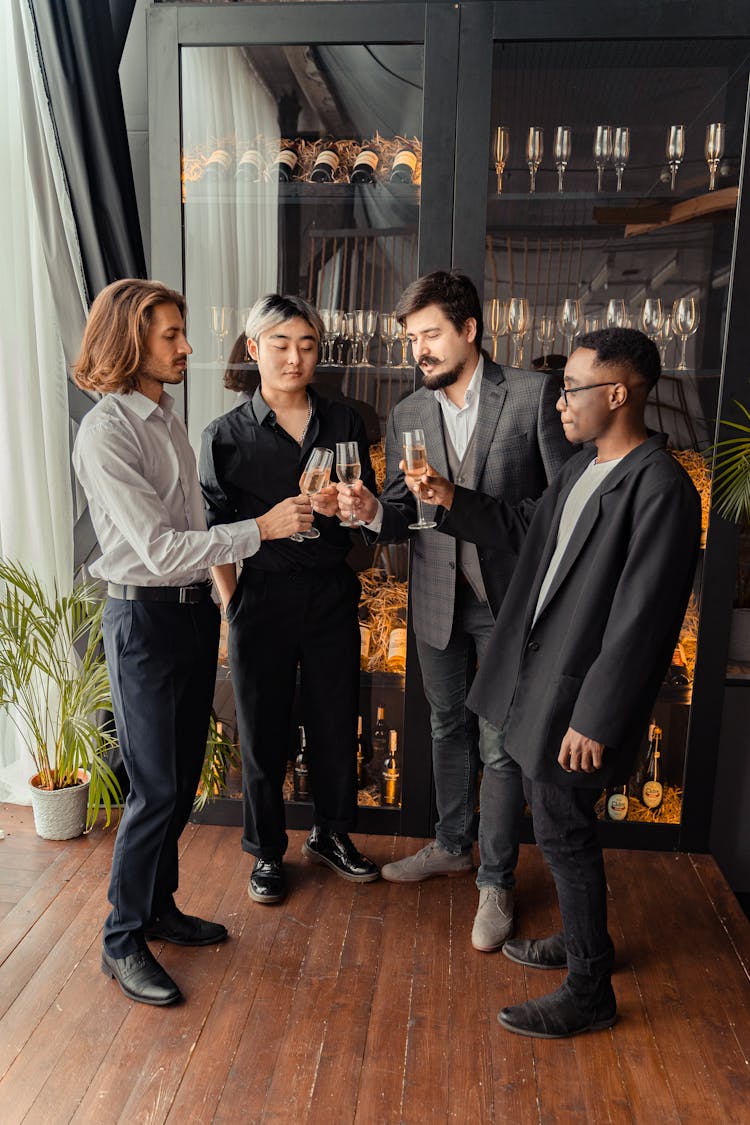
[(602, 151), (620, 151), (652, 317), (664, 337), (518, 322), (546, 331), (617, 314), (495, 321), (563, 148), (534, 153), (714, 150), (675, 151), (502, 152), (569, 320), (685, 320)]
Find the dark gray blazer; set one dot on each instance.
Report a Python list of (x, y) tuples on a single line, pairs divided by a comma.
[(520, 445), (596, 655)]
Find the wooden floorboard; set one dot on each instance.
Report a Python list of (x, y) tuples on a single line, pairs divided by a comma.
[(362, 1004)]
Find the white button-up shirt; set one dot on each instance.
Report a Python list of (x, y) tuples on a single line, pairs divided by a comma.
[(137, 468)]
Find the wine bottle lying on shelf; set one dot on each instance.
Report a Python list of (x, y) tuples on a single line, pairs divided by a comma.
[(404, 167), (365, 166), (325, 167)]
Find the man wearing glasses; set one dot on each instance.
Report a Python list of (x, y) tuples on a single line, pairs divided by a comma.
[(581, 644)]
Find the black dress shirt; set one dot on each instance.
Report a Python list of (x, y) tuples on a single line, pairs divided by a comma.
[(248, 463)]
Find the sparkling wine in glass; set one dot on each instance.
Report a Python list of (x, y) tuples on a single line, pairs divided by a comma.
[(602, 151), (315, 475), (348, 470), (518, 322), (620, 151), (502, 151), (534, 153), (563, 148), (675, 151), (652, 317), (546, 331), (569, 320), (714, 150), (415, 459), (685, 321)]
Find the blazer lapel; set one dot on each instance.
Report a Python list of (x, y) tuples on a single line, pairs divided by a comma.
[(434, 438), (492, 397)]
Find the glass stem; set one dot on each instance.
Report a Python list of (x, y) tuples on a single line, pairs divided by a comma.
[(532, 179), (682, 365), (619, 179), (420, 510), (599, 175), (560, 174)]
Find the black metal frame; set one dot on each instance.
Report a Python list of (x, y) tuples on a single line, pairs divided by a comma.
[(459, 40)]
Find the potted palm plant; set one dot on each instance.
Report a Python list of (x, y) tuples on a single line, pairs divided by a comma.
[(53, 681), (731, 476)]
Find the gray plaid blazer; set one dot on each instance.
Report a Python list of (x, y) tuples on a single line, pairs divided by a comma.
[(520, 445)]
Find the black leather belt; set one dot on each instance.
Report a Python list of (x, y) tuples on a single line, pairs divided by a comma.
[(183, 595)]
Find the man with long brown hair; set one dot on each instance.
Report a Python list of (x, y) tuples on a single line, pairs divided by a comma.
[(161, 626)]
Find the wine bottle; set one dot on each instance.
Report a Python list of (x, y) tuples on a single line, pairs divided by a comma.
[(365, 637), (390, 776), (653, 791), (678, 673), (379, 741), (365, 166), (404, 167), (250, 167), (284, 165), (617, 803), (361, 770), (396, 658), (218, 165), (325, 166), (301, 776)]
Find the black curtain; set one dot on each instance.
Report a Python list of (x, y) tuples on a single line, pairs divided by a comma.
[(80, 44)]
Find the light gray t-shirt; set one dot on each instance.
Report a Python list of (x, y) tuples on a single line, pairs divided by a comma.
[(579, 496)]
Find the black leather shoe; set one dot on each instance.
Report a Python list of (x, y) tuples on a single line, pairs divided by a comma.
[(185, 929), (267, 882), (562, 1014), (544, 953), (336, 850), (141, 978)]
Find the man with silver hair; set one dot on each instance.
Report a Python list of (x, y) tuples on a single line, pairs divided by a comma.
[(293, 606)]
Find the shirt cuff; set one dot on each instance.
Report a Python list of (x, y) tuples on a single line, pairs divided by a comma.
[(376, 522)]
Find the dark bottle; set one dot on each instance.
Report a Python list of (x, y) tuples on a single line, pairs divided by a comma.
[(404, 167), (365, 166), (678, 673), (284, 165), (325, 166), (653, 791), (617, 803), (361, 769), (390, 775), (301, 776), (250, 167), (379, 741)]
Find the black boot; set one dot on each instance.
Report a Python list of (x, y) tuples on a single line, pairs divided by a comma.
[(580, 1004)]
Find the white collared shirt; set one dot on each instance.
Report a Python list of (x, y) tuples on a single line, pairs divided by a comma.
[(137, 468)]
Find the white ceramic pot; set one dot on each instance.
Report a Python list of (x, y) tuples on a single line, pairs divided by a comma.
[(60, 814)]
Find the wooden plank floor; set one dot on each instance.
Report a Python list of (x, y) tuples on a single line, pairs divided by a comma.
[(361, 1004)]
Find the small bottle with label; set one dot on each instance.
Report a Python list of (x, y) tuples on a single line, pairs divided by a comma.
[(396, 659), (284, 166), (325, 166), (653, 790), (379, 741), (404, 167), (301, 776), (361, 768), (250, 167), (365, 166), (390, 775), (617, 803)]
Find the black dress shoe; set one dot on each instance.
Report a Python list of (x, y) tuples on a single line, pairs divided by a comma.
[(185, 929), (267, 882), (562, 1014), (141, 978), (544, 953), (336, 850)]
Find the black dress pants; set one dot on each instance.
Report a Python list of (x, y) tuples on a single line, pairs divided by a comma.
[(277, 622), (161, 659)]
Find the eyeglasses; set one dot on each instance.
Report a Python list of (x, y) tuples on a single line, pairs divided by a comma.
[(565, 391)]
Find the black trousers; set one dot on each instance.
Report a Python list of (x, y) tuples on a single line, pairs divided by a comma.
[(565, 830), (161, 659), (277, 623)]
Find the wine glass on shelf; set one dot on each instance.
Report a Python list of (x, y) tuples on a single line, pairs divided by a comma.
[(518, 322), (315, 475), (563, 148), (602, 151), (617, 314), (369, 328), (685, 320), (350, 337), (495, 321), (652, 317), (220, 316), (662, 340), (502, 151), (404, 346), (714, 150), (415, 459), (359, 336), (546, 331), (534, 153), (675, 151), (331, 330), (620, 151), (389, 334), (569, 320), (591, 324), (348, 470)]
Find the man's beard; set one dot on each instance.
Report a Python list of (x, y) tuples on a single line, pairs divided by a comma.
[(445, 379)]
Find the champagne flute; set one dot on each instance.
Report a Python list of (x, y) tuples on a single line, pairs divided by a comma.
[(675, 151), (220, 328), (330, 325), (389, 333), (714, 150), (404, 346), (591, 324), (415, 457), (563, 148), (315, 475), (534, 152), (662, 340), (602, 151), (620, 151), (546, 332), (685, 320), (569, 320), (341, 333), (652, 317), (496, 321), (369, 327), (518, 322), (617, 314), (348, 470), (350, 337), (502, 151)]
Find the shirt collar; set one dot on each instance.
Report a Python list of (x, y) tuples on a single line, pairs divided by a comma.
[(472, 389), (263, 411), (144, 407)]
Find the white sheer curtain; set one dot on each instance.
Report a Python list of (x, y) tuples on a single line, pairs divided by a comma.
[(36, 510)]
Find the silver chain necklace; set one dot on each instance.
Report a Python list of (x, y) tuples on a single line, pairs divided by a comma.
[(303, 435)]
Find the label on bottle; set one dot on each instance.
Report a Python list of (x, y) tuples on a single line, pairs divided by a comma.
[(250, 162), (368, 158), (365, 637), (288, 157), (652, 794), (219, 161), (396, 660), (406, 158), (617, 806), (327, 157)]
